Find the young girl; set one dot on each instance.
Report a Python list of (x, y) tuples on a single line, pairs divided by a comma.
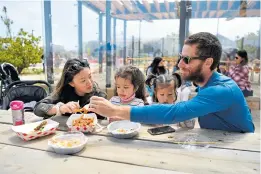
[(165, 92), (74, 90), (129, 87)]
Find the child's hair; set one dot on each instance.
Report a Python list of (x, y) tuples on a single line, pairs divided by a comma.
[(137, 79), (163, 79)]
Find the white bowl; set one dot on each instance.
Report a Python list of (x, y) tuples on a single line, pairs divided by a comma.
[(68, 136), (124, 129)]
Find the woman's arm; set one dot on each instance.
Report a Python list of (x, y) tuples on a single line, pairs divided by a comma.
[(46, 107)]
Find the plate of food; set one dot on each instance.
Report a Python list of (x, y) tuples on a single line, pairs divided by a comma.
[(68, 143), (35, 130), (124, 129)]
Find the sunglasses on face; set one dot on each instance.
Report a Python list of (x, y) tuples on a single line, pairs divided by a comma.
[(236, 57), (187, 59)]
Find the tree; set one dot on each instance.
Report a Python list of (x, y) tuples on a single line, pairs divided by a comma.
[(21, 51), (7, 21), (250, 43)]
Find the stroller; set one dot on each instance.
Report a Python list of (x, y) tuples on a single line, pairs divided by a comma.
[(12, 88), (8, 74)]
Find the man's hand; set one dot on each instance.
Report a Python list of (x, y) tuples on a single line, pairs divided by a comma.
[(102, 106)]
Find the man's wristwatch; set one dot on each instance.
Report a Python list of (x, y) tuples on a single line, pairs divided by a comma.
[(57, 106)]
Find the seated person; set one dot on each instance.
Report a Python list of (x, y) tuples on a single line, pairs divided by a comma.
[(240, 73), (74, 90), (165, 92), (129, 87), (219, 104)]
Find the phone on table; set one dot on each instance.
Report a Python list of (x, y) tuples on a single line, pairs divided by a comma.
[(161, 130)]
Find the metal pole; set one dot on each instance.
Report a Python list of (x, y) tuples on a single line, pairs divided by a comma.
[(242, 43), (139, 37), (101, 48), (108, 44), (132, 49), (258, 48), (48, 52), (162, 47), (80, 52), (217, 26), (182, 24), (114, 42), (124, 42), (188, 16)]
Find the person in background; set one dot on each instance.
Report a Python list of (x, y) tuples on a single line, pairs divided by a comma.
[(240, 73), (157, 67)]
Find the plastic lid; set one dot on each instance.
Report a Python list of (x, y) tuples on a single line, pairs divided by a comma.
[(17, 105)]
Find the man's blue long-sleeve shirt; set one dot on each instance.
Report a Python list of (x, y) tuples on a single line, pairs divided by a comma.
[(220, 105)]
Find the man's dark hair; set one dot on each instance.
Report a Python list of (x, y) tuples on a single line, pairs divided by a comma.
[(208, 45)]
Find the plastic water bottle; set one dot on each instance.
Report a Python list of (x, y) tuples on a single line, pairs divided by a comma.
[(17, 108)]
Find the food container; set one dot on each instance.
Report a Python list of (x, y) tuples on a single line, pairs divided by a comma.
[(124, 129), (17, 108), (27, 132), (68, 143), (79, 122)]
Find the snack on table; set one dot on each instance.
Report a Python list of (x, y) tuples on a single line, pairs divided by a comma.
[(40, 127), (82, 110), (66, 143), (83, 121), (123, 131)]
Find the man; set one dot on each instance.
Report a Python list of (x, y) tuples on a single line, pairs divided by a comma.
[(220, 103)]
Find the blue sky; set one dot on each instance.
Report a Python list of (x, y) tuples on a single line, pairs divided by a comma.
[(29, 15)]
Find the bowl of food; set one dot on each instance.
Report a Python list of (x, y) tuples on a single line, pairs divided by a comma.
[(35, 130), (124, 129), (68, 143)]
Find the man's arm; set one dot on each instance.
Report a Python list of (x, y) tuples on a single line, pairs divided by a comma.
[(209, 100)]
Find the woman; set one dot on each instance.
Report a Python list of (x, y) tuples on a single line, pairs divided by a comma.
[(74, 90), (240, 73), (157, 67)]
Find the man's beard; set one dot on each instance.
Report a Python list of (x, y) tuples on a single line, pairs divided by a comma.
[(196, 76)]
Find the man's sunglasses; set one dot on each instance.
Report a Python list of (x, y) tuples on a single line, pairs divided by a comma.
[(187, 59)]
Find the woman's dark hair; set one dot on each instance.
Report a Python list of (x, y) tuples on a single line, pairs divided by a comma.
[(137, 79), (243, 55), (163, 79), (156, 70), (71, 68)]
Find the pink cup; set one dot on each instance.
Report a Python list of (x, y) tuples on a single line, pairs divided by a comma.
[(17, 108)]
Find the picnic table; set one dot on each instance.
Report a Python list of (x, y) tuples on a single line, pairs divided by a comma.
[(185, 151)]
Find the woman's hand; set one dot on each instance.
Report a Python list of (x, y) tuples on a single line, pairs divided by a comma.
[(69, 107)]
